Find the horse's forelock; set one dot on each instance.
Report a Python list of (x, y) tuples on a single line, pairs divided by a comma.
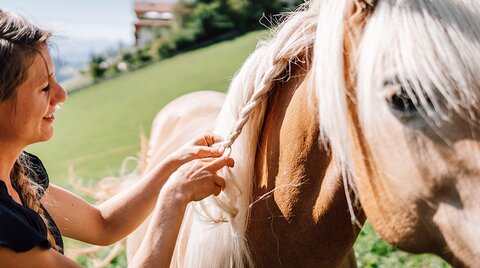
[(453, 31), (434, 46)]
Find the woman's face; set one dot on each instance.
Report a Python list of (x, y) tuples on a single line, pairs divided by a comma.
[(28, 117)]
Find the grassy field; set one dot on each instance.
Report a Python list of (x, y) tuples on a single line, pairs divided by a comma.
[(101, 125)]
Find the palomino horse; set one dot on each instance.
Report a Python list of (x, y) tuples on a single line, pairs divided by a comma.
[(396, 90)]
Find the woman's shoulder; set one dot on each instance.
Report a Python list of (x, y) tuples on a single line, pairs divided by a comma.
[(17, 234), (36, 170)]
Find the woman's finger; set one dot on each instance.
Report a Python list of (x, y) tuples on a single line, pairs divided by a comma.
[(209, 139), (219, 163), (219, 181), (204, 151), (217, 190)]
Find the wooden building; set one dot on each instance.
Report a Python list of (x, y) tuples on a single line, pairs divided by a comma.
[(151, 16)]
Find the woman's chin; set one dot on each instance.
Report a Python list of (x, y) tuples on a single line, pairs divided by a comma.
[(46, 136)]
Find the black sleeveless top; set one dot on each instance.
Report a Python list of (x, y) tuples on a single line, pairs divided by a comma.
[(21, 228)]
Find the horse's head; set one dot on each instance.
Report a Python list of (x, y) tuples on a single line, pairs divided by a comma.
[(400, 101)]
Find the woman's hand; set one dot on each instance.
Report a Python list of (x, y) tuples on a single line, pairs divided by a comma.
[(197, 179), (193, 181), (197, 148)]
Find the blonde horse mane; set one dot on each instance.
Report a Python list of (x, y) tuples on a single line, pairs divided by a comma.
[(213, 232)]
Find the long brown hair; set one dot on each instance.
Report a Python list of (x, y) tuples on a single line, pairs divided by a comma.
[(20, 40)]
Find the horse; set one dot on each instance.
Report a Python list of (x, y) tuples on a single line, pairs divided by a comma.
[(301, 112)]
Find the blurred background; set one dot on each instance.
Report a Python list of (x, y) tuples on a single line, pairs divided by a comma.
[(122, 61), (82, 28)]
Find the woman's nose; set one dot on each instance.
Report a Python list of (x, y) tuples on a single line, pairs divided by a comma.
[(60, 94)]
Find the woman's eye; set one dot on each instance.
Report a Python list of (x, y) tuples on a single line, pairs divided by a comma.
[(46, 89)]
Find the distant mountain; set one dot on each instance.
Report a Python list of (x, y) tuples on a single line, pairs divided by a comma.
[(70, 55), (79, 51)]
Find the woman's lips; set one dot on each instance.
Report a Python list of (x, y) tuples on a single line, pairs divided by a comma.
[(50, 117)]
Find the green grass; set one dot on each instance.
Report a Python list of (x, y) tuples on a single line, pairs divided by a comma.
[(373, 252), (100, 125)]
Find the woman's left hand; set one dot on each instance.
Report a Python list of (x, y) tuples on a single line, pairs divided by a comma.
[(200, 147)]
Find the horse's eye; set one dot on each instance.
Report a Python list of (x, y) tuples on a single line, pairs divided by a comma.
[(401, 102)]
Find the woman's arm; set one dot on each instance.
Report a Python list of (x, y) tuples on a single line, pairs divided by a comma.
[(121, 214), (114, 218), (193, 181), (36, 257)]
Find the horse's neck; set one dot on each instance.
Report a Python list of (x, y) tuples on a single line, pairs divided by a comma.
[(306, 212), (289, 158)]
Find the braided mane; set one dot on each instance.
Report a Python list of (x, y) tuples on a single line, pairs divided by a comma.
[(215, 227)]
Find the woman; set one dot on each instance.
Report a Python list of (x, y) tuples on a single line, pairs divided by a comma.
[(33, 217)]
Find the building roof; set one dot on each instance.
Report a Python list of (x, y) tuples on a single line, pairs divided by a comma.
[(142, 7)]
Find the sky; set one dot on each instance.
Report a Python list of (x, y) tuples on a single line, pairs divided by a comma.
[(80, 19), (81, 27)]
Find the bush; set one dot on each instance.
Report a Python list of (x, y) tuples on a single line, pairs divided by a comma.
[(166, 47), (97, 68), (184, 38), (144, 55), (128, 57)]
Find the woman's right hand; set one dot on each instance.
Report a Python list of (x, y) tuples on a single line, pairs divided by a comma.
[(198, 179), (193, 181)]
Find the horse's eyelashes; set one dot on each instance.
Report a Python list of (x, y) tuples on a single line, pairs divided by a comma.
[(399, 101), (402, 102), (395, 81)]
